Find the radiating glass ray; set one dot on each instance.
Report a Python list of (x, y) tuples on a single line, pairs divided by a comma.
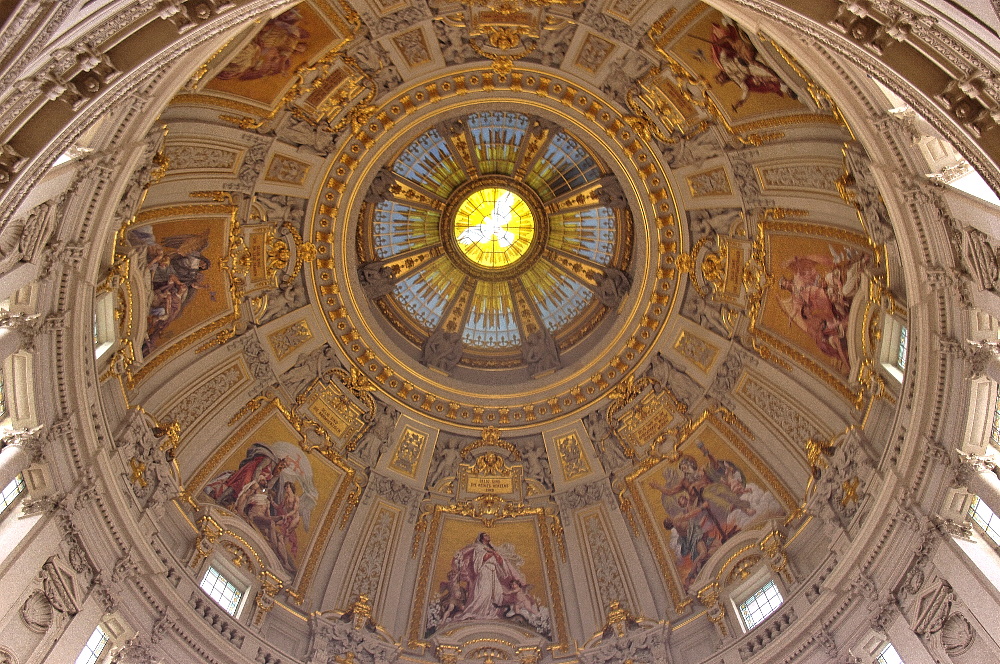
[(558, 297), (428, 162), (496, 138), (491, 322), (399, 227), (588, 233), (564, 167), (425, 294)]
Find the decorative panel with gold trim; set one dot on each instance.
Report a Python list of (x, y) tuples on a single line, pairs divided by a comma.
[(373, 558), (691, 503), (408, 452), (287, 495), (503, 573)]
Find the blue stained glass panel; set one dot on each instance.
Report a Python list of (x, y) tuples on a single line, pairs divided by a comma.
[(428, 162), (587, 233), (496, 138), (491, 322), (426, 293), (564, 166), (399, 227), (559, 298)]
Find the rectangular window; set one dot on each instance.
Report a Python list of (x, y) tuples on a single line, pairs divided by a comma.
[(995, 431), (983, 516), (888, 655), (3, 397), (95, 646), (760, 605), (10, 492), (105, 326), (222, 591), (901, 349), (894, 348)]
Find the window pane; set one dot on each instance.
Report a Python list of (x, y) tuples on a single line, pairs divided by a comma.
[(901, 351), (983, 516), (3, 397), (95, 646), (760, 605), (995, 431), (222, 591), (888, 656), (11, 492)]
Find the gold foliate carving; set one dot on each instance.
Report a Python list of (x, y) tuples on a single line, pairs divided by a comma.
[(709, 597), (305, 252), (490, 437), (617, 619), (572, 458), (850, 488), (209, 532), (498, 29), (269, 587), (138, 472)]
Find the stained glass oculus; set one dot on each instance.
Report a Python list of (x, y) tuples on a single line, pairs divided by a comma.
[(494, 227), (491, 238)]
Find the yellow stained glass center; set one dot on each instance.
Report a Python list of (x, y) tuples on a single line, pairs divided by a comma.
[(494, 227)]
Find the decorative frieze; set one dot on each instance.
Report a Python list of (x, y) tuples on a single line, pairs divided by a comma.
[(211, 392), (183, 157), (713, 182), (607, 575), (784, 415), (817, 177)]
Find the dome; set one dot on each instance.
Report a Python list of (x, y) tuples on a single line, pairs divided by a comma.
[(524, 238), (507, 332)]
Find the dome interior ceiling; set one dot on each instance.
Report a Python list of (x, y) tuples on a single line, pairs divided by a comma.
[(570, 283)]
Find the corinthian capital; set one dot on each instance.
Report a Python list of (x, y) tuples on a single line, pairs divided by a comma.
[(30, 441)]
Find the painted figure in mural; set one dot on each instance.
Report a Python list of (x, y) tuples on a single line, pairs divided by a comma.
[(486, 583), (820, 291), (287, 518), (176, 270), (270, 52), (706, 506), (490, 576), (738, 61), (272, 489)]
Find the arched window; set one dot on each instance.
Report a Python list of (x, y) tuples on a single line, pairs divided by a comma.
[(10, 493), (761, 603), (985, 519), (94, 648), (227, 592), (888, 655)]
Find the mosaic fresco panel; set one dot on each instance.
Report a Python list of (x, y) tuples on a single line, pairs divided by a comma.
[(185, 285), (693, 504), (495, 573), (809, 305), (743, 73), (280, 491), (260, 70)]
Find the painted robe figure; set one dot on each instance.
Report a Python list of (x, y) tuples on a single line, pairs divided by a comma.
[(490, 577), (486, 583), (739, 62), (176, 269), (820, 291), (706, 505), (272, 489)]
